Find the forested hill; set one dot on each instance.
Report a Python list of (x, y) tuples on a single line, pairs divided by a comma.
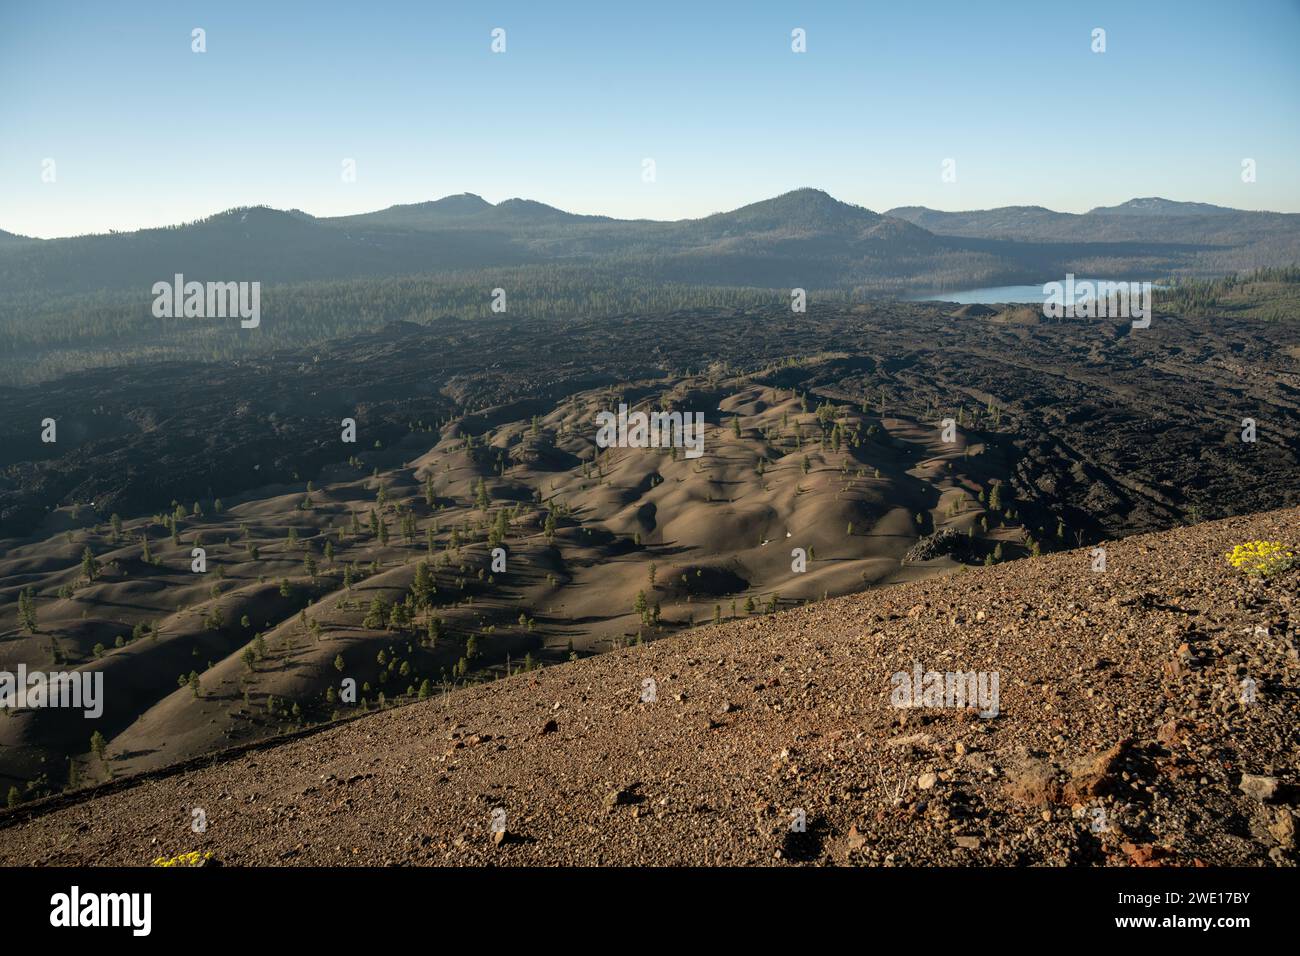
[(804, 238)]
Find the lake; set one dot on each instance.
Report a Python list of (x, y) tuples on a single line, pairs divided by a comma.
[(998, 293), (986, 295)]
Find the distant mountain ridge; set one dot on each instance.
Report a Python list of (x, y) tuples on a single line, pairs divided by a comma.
[(464, 209), (1150, 219), (1155, 206), (806, 207), (7, 238), (803, 238)]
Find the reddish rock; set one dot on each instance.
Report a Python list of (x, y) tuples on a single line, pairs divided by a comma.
[(1034, 783), (1172, 733), (1096, 775), (1146, 854)]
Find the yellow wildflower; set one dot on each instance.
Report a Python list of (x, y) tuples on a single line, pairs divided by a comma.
[(1261, 557), (193, 858)]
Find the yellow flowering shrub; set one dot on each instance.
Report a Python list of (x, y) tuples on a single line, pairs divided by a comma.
[(1261, 557), (193, 858)]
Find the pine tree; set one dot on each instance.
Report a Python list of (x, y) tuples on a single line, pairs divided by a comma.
[(377, 614), (27, 610), (89, 566), (500, 528), (422, 587)]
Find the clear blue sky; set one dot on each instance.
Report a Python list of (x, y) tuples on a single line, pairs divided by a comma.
[(145, 132)]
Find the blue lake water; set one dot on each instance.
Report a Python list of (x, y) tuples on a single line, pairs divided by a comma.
[(986, 295), (1000, 293)]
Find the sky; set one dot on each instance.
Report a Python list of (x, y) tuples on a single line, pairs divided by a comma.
[(143, 131)]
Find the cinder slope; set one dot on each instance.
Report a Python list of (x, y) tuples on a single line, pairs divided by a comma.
[(1121, 739)]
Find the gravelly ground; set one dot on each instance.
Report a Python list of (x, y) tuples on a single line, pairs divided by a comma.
[(1121, 739)]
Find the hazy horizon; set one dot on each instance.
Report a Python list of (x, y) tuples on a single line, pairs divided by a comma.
[(495, 202), (144, 132)]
